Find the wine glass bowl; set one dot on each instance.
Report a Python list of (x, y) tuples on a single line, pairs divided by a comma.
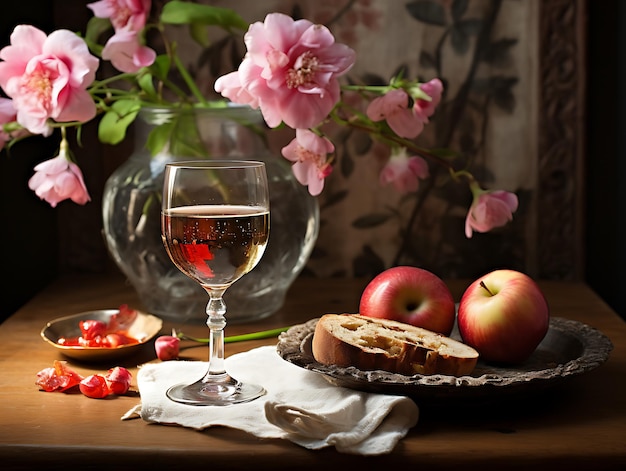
[(215, 227)]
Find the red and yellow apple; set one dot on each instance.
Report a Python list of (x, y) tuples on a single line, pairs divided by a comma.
[(503, 315), (410, 295)]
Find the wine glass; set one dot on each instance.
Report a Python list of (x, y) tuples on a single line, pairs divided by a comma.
[(215, 227)]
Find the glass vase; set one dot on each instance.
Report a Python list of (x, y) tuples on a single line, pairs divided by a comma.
[(131, 214)]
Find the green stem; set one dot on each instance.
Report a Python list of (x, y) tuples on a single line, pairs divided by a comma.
[(265, 334), (189, 80)]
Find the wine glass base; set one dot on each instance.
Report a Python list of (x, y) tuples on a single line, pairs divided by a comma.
[(214, 394)]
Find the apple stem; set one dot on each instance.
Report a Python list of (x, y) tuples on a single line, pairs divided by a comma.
[(483, 285)]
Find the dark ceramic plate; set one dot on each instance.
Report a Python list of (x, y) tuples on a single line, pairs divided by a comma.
[(569, 348)]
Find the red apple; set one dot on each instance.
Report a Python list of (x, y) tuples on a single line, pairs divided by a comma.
[(410, 295), (504, 316)]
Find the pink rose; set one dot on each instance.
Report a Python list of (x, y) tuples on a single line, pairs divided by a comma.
[(291, 71), (490, 209), (125, 15), (47, 77), (404, 172), (167, 347), (58, 179), (230, 87), (126, 53), (310, 154)]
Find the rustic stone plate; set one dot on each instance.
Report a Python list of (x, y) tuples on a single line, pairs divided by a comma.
[(144, 328), (569, 348)]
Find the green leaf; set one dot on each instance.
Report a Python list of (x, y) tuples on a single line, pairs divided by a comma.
[(146, 84), (179, 136), (95, 28), (161, 66), (199, 34), (180, 13), (115, 122), (158, 138)]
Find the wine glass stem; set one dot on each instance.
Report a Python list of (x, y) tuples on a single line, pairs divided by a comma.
[(216, 309)]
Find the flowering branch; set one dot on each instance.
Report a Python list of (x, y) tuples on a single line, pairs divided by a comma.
[(291, 72)]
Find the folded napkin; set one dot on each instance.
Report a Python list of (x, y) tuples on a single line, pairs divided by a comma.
[(300, 405)]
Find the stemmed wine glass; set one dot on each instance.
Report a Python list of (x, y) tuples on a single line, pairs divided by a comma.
[(215, 226)]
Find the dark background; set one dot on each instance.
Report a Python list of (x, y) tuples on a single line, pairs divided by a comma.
[(31, 241)]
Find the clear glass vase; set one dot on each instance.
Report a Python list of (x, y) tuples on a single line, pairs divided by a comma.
[(131, 215)]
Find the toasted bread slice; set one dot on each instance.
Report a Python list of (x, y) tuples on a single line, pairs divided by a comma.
[(381, 344)]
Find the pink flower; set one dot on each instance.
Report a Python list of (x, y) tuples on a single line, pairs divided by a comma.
[(424, 108), (393, 107), (47, 77), (490, 209), (126, 53), (7, 115), (125, 15), (230, 87), (404, 172), (291, 71), (58, 179), (310, 154), (167, 347), (124, 48)]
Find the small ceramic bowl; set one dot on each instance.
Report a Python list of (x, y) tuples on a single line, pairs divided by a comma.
[(144, 328)]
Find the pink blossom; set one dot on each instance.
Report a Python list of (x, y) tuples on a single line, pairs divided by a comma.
[(490, 209), (126, 53), (230, 87), (424, 108), (58, 179), (393, 107), (125, 15), (47, 77), (291, 71), (404, 172), (167, 347), (7, 115), (124, 49), (310, 154)]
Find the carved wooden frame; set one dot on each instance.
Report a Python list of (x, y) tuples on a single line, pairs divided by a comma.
[(559, 230)]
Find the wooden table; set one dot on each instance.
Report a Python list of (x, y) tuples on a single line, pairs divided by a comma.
[(580, 424)]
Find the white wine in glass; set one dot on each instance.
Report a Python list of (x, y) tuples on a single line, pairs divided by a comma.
[(215, 223)]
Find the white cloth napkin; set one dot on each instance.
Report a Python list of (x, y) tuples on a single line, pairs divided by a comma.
[(300, 405)]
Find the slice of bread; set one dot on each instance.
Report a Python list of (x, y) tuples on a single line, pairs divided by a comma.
[(381, 344)]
